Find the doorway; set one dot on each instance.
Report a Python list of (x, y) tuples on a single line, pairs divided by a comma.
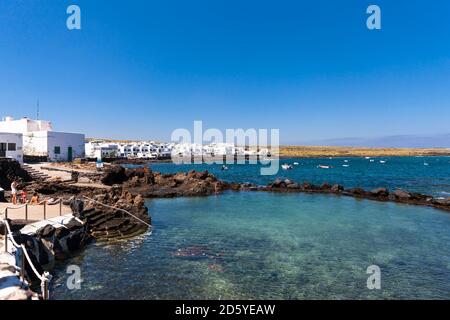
[(69, 154)]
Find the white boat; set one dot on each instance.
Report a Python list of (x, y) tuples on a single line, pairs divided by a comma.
[(323, 167), (286, 166), (367, 157), (382, 161), (224, 168), (346, 165), (371, 160), (425, 164), (345, 160), (296, 163)]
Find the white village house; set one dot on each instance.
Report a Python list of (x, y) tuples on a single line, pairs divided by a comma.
[(39, 139), (11, 146), (100, 150)]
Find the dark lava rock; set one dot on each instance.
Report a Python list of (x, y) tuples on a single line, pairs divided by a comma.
[(419, 196), (307, 186), (277, 183), (379, 192), (356, 191), (294, 186), (202, 175), (114, 175), (235, 186), (77, 207), (75, 240), (11, 170), (46, 232), (2, 196), (15, 225), (288, 181), (442, 202), (25, 239), (400, 194), (326, 186), (61, 233), (337, 188)]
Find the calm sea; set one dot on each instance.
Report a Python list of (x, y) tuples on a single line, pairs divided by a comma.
[(281, 246)]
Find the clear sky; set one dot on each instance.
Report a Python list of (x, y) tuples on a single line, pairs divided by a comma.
[(140, 69)]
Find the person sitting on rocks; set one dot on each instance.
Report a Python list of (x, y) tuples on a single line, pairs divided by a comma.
[(34, 199)]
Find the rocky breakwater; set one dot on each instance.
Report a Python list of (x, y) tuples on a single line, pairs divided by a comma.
[(149, 184), (378, 194)]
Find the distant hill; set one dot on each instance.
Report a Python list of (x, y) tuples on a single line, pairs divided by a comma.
[(395, 141)]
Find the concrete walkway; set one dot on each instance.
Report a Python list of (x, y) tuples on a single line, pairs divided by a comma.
[(35, 213)]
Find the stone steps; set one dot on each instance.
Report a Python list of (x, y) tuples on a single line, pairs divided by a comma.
[(35, 174)]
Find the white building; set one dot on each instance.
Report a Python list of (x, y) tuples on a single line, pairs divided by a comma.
[(11, 146), (99, 150), (39, 139)]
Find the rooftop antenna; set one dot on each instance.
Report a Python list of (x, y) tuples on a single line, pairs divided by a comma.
[(37, 112)]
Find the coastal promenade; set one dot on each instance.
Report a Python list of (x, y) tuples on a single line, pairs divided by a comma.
[(33, 213)]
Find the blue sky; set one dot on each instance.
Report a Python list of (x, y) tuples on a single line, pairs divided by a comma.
[(140, 69)]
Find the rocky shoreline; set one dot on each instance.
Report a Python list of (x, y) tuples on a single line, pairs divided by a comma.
[(101, 214), (149, 184), (377, 194)]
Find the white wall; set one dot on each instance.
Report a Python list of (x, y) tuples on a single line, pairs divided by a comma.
[(43, 143), (24, 125), (65, 140), (13, 138), (35, 144)]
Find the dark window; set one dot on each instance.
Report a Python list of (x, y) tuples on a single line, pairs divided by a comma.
[(2, 146), (57, 150), (11, 147)]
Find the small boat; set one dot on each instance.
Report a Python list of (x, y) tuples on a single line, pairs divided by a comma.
[(367, 157), (425, 164), (346, 165), (296, 163), (345, 160), (224, 168), (371, 160), (382, 161), (323, 167), (286, 166)]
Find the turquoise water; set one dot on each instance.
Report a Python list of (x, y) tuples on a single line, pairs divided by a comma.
[(271, 246), (408, 173)]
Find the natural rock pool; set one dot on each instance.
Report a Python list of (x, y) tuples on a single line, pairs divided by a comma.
[(270, 246)]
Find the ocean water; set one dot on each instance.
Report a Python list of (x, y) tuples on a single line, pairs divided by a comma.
[(429, 175), (250, 245)]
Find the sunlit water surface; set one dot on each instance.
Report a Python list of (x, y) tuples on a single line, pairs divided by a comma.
[(271, 246)]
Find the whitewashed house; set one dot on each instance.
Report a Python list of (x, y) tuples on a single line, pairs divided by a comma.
[(40, 140), (100, 150), (11, 146), (125, 150)]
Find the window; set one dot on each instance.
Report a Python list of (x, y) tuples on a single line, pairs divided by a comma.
[(57, 150), (11, 147)]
